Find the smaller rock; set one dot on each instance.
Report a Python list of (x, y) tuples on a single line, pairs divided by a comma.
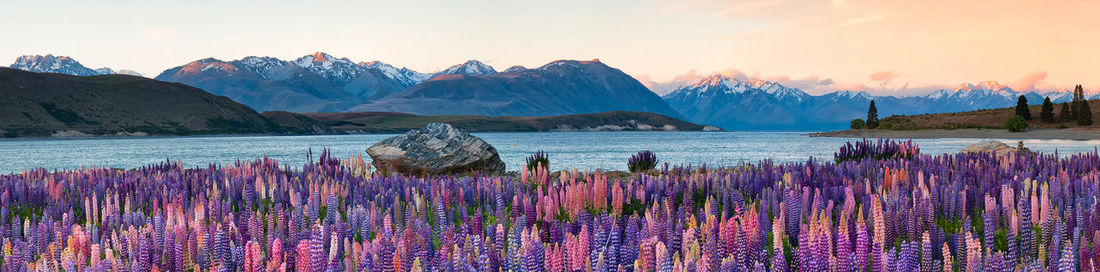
[(995, 147), (436, 149)]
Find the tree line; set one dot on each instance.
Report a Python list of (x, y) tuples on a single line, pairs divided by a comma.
[(1077, 110)]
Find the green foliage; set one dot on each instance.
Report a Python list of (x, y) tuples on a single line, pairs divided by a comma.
[(540, 158), (1047, 112), (1016, 124), (1021, 108), (857, 124), (642, 162)]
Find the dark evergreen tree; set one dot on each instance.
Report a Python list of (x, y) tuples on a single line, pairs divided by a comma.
[(872, 116), (1084, 114), (1047, 112), (1021, 108), (1066, 113), (1075, 103)]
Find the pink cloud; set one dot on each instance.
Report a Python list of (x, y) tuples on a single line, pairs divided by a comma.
[(884, 76), (1030, 82)]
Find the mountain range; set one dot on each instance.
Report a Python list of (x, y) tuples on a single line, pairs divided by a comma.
[(558, 88), (320, 82), (734, 104), (62, 65)]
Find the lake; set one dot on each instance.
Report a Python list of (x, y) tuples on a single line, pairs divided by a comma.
[(583, 150)]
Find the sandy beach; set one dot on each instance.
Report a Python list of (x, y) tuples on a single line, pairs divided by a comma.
[(1064, 134)]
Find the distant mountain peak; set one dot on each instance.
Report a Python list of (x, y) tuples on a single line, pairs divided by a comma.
[(853, 94), (514, 68), (129, 72), (712, 80), (725, 84), (320, 56), (58, 64), (54, 64), (471, 68), (983, 86), (105, 71), (320, 59), (405, 76)]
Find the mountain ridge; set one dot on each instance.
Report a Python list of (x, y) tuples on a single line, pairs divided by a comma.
[(738, 104), (62, 65), (556, 88), (45, 104)]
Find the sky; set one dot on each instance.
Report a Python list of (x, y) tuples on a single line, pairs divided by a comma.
[(883, 47)]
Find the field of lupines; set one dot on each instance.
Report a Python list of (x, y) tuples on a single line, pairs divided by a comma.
[(883, 207)]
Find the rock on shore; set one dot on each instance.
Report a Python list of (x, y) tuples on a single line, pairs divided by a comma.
[(995, 147), (436, 149)]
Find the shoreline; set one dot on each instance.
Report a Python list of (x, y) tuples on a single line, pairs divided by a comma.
[(968, 133), (148, 136)]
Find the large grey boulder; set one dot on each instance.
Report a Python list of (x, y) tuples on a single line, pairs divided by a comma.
[(991, 146), (436, 149)]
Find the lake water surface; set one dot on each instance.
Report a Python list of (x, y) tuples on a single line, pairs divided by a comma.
[(583, 150)]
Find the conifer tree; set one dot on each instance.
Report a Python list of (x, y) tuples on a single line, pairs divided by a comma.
[(1047, 112), (1075, 103), (872, 116), (1066, 113), (1021, 108), (1084, 114)]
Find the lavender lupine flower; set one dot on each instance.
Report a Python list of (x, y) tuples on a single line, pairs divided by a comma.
[(903, 214)]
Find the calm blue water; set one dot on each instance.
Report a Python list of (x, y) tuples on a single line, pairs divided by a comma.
[(591, 150)]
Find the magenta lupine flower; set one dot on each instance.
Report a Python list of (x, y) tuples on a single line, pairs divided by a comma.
[(303, 253)]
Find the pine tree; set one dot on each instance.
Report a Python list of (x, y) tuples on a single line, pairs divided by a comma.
[(872, 116), (1047, 112), (1075, 103), (1084, 114), (1066, 113), (1021, 108)]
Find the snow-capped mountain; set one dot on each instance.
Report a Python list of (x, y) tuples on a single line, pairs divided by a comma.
[(757, 104), (311, 83), (404, 75), (722, 83), (105, 71), (55, 64), (325, 81), (129, 73), (329, 67), (62, 65), (514, 69), (469, 68), (557, 88), (266, 67)]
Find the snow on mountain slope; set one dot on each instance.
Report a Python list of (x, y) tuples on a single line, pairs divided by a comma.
[(469, 68), (405, 76), (55, 64)]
